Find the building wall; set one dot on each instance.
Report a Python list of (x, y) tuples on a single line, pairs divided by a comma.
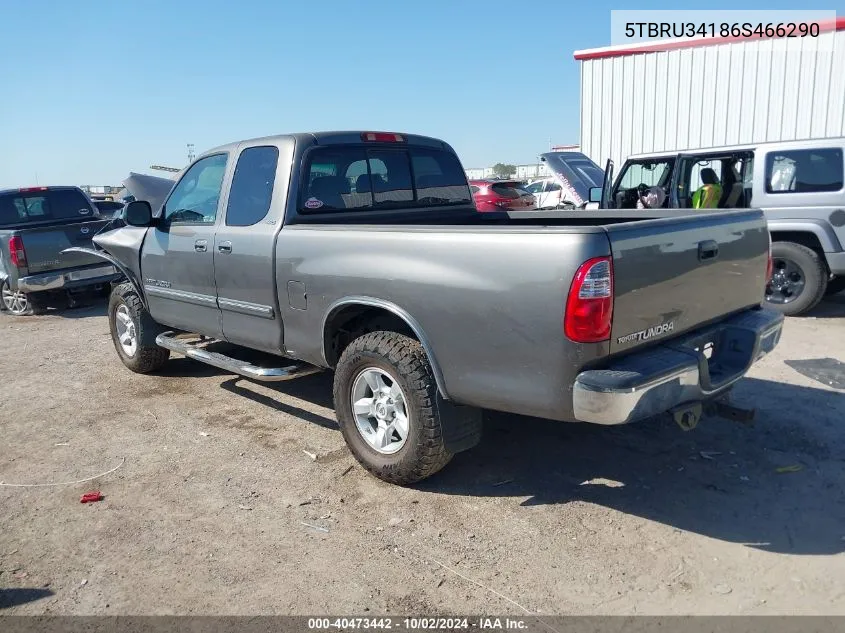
[(706, 96)]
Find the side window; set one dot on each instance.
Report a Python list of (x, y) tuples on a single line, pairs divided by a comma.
[(535, 187), (252, 186), (194, 200), (804, 171), (553, 186)]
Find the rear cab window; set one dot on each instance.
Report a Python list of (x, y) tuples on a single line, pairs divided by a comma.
[(39, 205), (352, 177)]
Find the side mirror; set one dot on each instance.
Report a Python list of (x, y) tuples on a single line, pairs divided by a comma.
[(138, 213), (595, 194)]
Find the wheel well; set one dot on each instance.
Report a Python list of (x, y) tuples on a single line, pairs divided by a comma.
[(349, 322), (810, 240)]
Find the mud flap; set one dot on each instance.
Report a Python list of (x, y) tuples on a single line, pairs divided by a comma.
[(461, 426)]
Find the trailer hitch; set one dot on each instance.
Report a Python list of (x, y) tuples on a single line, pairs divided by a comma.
[(687, 416), (725, 409)]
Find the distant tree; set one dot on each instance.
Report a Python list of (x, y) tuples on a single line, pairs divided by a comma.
[(503, 171)]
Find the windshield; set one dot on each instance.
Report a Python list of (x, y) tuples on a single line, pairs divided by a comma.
[(577, 171)]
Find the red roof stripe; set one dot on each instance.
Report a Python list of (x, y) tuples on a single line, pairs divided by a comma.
[(654, 46)]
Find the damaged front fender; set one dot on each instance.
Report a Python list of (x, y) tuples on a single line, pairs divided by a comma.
[(130, 276)]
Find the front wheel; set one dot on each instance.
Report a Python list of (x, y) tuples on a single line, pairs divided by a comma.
[(385, 400), (799, 279), (133, 331)]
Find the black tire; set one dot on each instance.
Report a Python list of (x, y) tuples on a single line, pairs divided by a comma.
[(404, 360), (835, 286), (148, 356), (811, 268)]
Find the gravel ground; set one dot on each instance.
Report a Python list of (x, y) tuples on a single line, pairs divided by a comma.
[(216, 508)]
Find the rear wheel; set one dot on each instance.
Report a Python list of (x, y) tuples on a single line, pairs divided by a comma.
[(799, 279), (20, 303), (385, 400), (134, 331)]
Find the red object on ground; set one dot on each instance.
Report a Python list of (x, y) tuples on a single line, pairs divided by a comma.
[(90, 497)]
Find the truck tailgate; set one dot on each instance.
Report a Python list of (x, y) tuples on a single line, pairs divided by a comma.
[(673, 274), (44, 245)]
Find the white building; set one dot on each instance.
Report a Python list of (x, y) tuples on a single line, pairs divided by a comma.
[(478, 173), (686, 94)]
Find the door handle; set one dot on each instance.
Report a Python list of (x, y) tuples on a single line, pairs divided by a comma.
[(224, 247), (201, 246)]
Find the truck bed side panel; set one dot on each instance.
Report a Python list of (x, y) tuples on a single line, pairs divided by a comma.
[(490, 301)]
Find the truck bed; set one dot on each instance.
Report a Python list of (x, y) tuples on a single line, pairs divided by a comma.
[(490, 290)]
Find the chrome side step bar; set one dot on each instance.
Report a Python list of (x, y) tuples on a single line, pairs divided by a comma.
[(169, 340)]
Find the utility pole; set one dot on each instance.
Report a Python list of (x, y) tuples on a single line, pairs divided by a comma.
[(191, 154)]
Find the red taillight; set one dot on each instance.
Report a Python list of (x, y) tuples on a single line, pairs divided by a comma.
[(29, 189), (17, 251), (589, 306), (382, 137)]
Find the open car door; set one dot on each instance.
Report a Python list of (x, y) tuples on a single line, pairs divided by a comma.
[(607, 186), (678, 197)]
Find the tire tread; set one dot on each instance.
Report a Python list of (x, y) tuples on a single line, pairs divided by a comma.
[(149, 357), (409, 358)]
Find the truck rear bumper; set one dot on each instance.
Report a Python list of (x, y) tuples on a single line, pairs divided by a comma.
[(66, 279), (694, 367)]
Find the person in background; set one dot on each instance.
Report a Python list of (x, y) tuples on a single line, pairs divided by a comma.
[(708, 195), (650, 197)]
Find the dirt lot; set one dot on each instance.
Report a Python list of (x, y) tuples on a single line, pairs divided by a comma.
[(208, 512)]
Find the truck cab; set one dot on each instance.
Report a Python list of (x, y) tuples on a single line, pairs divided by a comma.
[(797, 184)]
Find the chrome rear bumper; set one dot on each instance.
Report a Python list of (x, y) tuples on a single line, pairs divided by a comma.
[(61, 279), (658, 379)]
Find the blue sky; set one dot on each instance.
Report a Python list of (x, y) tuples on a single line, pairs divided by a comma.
[(92, 90)]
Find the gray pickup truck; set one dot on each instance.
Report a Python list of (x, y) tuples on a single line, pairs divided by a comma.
[(36, 225), (362, 252)]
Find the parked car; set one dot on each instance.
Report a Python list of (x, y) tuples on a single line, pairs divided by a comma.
[(799, 185), (497, 195), (36, 225), (362, 252)]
